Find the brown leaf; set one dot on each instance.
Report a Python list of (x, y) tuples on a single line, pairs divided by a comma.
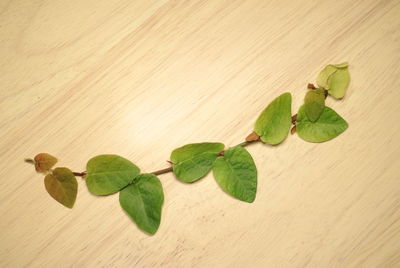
[(61, 184), (44, 162)]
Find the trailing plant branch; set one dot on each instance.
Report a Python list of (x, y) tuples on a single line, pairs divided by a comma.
[(164, 170), (141, 194)]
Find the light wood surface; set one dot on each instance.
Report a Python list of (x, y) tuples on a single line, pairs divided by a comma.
[(140, 78)]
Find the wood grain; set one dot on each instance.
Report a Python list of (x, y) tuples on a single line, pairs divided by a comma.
[(140, 78)]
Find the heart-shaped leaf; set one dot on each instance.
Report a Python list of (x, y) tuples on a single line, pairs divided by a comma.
[(314, 103), (193, 161), (335, 78), (236, 173), (44, 162), (61, 184), (274, 122), (108, 173), (328, 126), (143, 200), (323, 76)]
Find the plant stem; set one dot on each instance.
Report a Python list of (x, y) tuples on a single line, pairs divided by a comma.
[(30, 161), (245, 143), (80, 174), (162, 171)]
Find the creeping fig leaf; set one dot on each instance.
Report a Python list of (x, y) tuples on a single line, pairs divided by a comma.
[(236, 174), (143, 200), (328, 126), (314, 104), (323, 77), (193, 161), (335, 78), (61, 184), (107, 174), (339, 82), (44, 162), (274, 122)]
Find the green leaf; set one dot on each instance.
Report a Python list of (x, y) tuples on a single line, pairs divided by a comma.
[(314, 103), (274, 122), (339, 82), (143, 200), (236, 173), (335, 78), (323, 77), (328, 126), (107, 174), (193, 161), (44, 162), (62, 186)]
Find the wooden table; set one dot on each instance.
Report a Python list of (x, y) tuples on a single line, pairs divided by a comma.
[(140, 78)]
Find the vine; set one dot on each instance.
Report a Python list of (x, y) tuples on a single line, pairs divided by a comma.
[(141, 194)]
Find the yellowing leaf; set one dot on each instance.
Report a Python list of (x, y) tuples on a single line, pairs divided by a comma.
[(335, 78), (323, 77), (44, 162), (274, 122), (338, 83), (143, 200), (61, 184), (108, 173)]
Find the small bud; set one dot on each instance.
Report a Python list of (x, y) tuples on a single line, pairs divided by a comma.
[(253, 137), (293, 130), (311, 86), (294, 119)]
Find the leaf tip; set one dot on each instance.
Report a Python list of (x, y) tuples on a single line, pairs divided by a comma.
[(250, 200)]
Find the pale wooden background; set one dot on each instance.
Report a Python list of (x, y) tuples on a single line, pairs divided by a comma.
[(140, 78)]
